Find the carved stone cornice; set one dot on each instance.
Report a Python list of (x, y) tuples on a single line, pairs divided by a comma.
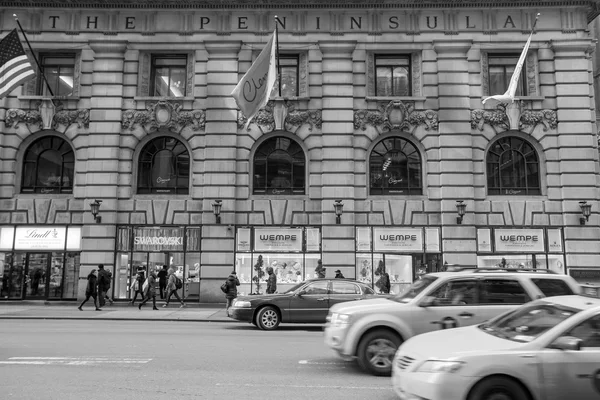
[(523, 120), (294, 119), (395, 115), (164, 114), (33, 118)]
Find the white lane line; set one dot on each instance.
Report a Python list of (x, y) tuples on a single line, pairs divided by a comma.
[(262, 385), (82, 358), (73, 360), (308, 362)]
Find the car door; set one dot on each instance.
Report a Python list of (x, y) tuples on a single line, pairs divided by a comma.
[(574, 373), (311, 303), (343, 291), (453, 304)]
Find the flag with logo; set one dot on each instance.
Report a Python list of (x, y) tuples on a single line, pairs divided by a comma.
[(253, 90), (15, 68), (509, 95)]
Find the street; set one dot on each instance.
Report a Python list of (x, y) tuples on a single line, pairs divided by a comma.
[(78, 359)]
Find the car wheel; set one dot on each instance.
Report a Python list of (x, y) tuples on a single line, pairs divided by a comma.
[(498, 389), (376, 352), (268, 318)]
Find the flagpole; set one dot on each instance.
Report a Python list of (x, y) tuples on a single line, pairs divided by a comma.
[(277, 54), (33, 54)]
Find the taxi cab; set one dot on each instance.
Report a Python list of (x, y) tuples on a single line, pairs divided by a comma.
[(548, 349)]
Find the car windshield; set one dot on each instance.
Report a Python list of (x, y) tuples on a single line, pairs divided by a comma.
[(528, 322), (295, 287), (415, 289)]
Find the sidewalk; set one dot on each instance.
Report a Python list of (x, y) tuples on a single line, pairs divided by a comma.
[(118, 311)]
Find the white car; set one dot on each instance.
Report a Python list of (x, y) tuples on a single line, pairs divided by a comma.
[(548, 349)]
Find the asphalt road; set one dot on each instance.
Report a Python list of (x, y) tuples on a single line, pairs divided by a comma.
[(114, 360)]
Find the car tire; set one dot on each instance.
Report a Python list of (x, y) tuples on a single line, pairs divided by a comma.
[(268, 318), (376, 351), (498, 388)]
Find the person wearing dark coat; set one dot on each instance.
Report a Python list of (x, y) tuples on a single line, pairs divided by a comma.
[(91, 290), (320, 270), (150, 291), (163, 274), (338, 274), (232, 283), (140, 278), (271, 281)]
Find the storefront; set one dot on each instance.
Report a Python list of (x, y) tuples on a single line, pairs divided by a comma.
[(293, 253), (39, 262), (404, 253), (539, 248), (151, 247)]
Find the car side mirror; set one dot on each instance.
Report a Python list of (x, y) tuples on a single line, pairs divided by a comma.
[(567, 343), (427, 301), (300, 293)]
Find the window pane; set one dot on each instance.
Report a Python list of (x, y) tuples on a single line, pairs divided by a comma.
[(344, 288), (49, 169), (502, 291), (177, 82), (553, 287), (498, 81), (279, 167), (319, 287), (397, 170), (384, 81), (161, 82), (456, 293), (401, 84), (65, 81), (160, 170)]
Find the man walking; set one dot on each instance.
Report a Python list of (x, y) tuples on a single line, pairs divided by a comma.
[(162, 281), (232, 283), (104, 280), (271, 281)]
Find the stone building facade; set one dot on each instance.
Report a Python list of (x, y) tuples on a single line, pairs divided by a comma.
[(381, 119)]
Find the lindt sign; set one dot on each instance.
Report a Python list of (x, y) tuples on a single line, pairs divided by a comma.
[(40, 238)]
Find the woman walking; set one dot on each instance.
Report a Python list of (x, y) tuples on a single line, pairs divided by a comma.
[(232, 283), (172, 289), (150, 291), (91, 290), (140, 278)]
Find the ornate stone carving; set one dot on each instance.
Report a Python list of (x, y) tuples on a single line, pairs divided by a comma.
[(395, 115), (66, 118), (164, 114), (265, 118), (528, 119)]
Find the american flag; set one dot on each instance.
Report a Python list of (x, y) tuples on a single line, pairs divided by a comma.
[(15, 67)]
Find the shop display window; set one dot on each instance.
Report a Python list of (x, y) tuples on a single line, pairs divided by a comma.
[(553, 262)]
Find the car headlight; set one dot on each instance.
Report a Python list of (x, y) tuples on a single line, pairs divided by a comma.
[(242, 304), (339, 320), (436, 366)]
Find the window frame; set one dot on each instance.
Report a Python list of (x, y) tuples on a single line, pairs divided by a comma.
[(415, 71), (171, 65), (397, 58), (410, 190), (145, 77), (272, 190), (509, 57), (152, 189), (290, 56), (530, 72), (502, 190), (38, 189), (36, 87)]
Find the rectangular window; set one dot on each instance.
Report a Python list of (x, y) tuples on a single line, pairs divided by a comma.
[(501, 68), (502, 291), (392, 75), (59, 71), (289, 64), (553, 287), (168, 75)]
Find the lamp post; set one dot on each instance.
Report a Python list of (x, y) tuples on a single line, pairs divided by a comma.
[(460, 208), (339, 210), (586, 210), (95, 209), (216, 205)]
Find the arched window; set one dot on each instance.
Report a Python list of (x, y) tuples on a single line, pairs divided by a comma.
[(48, 166), (395, 168), (164, 167), (512, 168), (279, 167)]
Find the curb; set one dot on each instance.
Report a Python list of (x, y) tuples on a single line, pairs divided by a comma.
[(116, 319)]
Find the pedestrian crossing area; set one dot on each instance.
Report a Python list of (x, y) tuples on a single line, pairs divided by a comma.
[(74, 360)]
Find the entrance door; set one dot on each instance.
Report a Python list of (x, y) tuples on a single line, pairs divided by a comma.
[(37, 275), (12, 276)]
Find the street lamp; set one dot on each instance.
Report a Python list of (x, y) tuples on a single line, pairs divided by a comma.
[(217, 209), (95, 208), (339, 210), (460, 208), (586, 210)]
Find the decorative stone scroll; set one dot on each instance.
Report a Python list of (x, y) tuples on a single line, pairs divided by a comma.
[(396, 115), (164, 114), (513, 117), (266, 119), (66, 118)]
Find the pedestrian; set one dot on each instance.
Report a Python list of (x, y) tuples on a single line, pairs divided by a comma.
[(271, 281), (172, 288), (140, 278), (162, 281), (91, 290), (104, 280), (383, 283), (338, 274), (150, 291), (232, 283), (320, 270)]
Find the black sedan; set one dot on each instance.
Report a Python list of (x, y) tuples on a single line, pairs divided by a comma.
[(307, 302)]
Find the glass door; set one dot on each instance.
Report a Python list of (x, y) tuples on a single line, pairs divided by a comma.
[(12, 276), (36, 275), (55, 283)]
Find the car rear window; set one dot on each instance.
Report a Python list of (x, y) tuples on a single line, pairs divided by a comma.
[(338, 287), (553, 287), (502, 291)]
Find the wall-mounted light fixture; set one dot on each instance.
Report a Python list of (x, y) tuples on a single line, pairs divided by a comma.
[(95, 208), (217, 209), (586, 210), (339, 210), (460, 208)]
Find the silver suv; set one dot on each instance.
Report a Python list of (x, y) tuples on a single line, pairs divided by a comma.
[(372, 330)]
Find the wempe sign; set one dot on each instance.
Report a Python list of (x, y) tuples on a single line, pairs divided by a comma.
[(399, 240), (519, 240), (277, 239)]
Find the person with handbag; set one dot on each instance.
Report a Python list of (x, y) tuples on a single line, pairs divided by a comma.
[(150, 291), (172, 288), (138, 284), (91, 290)]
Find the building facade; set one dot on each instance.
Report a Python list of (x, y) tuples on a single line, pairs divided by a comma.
[(375, 151)]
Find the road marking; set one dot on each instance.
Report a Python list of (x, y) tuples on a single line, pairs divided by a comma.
[(262, 385), (308, 362), (73, 360)]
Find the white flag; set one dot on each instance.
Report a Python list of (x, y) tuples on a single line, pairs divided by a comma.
[(509, 95), (253, 90)]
